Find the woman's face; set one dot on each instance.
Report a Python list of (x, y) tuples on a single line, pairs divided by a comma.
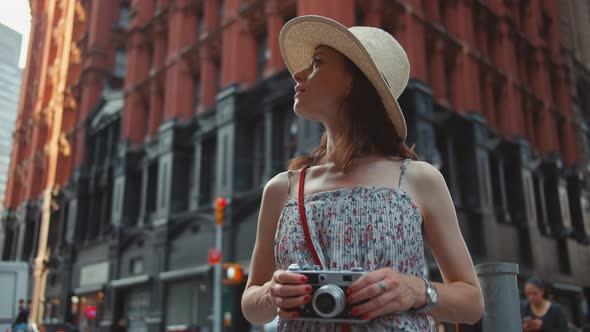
[(322, 87), (533, 293)]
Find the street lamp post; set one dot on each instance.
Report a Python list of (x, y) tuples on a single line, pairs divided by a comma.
[(220, 204)]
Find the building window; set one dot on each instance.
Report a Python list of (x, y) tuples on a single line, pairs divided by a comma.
[(565, 265), (197, 90), (152, 189), (54, 230), (200, 23), (124, 17), (217, 76), (290, 132), (583, 96), (545, 26), (225, 157), (262, 56), (359, 16), (94, 215), (258, 155), (102, 141), (207, 176), (534, 129), (530, 116), (561, 128), (499, 188), (188, 306), (521, 13), (137, 306), (120, 63), (29, 241), (221, 11), (442, 10), (8, 240), (541, 210), (136, 265), (164, 185)]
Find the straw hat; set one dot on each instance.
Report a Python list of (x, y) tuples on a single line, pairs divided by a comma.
[(374, 51)]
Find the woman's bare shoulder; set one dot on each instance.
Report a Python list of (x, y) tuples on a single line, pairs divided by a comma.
[(274, 198), (425, 182), (277, 184), (422, 173), (276, 189)]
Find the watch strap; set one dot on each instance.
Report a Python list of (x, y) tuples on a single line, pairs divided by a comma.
[(429, 303)]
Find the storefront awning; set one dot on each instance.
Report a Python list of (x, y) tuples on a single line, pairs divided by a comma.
[(184, 273), (89, 289), (131, 281), (567, 287)]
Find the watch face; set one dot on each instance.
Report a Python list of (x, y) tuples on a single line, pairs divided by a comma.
[(432, 294)]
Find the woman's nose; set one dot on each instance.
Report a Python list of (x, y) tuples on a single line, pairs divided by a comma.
[(301, 75)]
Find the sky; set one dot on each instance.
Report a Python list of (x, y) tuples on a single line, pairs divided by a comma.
[(16, 14)]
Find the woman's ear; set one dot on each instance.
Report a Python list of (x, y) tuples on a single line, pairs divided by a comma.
[(349, 88)]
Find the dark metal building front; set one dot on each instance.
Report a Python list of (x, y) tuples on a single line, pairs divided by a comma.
[(180, 102)]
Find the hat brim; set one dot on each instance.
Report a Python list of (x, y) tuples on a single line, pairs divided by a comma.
[(300, 38)]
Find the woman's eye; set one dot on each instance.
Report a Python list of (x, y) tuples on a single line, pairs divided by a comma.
[(315, 62)]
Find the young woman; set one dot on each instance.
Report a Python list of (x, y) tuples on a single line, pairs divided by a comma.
[(540, 314), (366, 204)]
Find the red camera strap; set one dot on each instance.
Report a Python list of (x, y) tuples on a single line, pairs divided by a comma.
[(314, 254), (303, 217)]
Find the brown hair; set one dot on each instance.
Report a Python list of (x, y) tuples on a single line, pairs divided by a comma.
[(366, 126)]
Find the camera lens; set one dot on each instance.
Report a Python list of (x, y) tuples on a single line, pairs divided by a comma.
[(328, 301), (325, 303)]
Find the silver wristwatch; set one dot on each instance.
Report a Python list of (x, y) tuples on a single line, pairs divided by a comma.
[(431, 297)]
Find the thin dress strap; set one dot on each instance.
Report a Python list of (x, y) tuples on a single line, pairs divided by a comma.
[(403, 168), (288, 185)]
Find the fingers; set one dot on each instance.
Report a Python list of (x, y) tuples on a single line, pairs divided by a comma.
[(374, 300), (389, 307), (283, 277), (369, 279), (292, 302), (373, 278), (372, 290), (289, 290), (388, 302), (287, 314)]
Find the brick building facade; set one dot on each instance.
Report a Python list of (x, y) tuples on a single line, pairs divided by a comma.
[(138, 113)]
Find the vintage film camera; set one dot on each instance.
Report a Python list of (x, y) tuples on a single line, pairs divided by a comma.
[(328, 295)]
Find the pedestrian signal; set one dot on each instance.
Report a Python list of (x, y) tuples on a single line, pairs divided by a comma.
[(220, 204), (232, 274)]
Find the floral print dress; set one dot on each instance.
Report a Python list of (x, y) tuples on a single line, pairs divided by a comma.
[(368, 227)]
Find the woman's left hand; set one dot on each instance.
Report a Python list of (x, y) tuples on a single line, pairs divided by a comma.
[(535, 324), (387, 291)]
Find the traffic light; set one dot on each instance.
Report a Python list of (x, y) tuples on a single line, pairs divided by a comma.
[(232, 274), (220, 204)]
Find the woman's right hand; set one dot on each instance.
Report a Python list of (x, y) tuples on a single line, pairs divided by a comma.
[(288, 290)]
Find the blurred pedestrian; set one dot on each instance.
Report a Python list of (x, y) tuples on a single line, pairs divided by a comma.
[(21, 321), (541, 314), (121, 325)]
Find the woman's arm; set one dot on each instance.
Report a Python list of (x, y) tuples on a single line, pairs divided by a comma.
[(460, 298), (256, 303)]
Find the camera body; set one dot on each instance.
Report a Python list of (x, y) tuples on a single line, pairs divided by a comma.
[(328, 295)]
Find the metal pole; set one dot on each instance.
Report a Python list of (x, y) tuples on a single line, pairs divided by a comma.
[(217, 282), (500, 292)]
